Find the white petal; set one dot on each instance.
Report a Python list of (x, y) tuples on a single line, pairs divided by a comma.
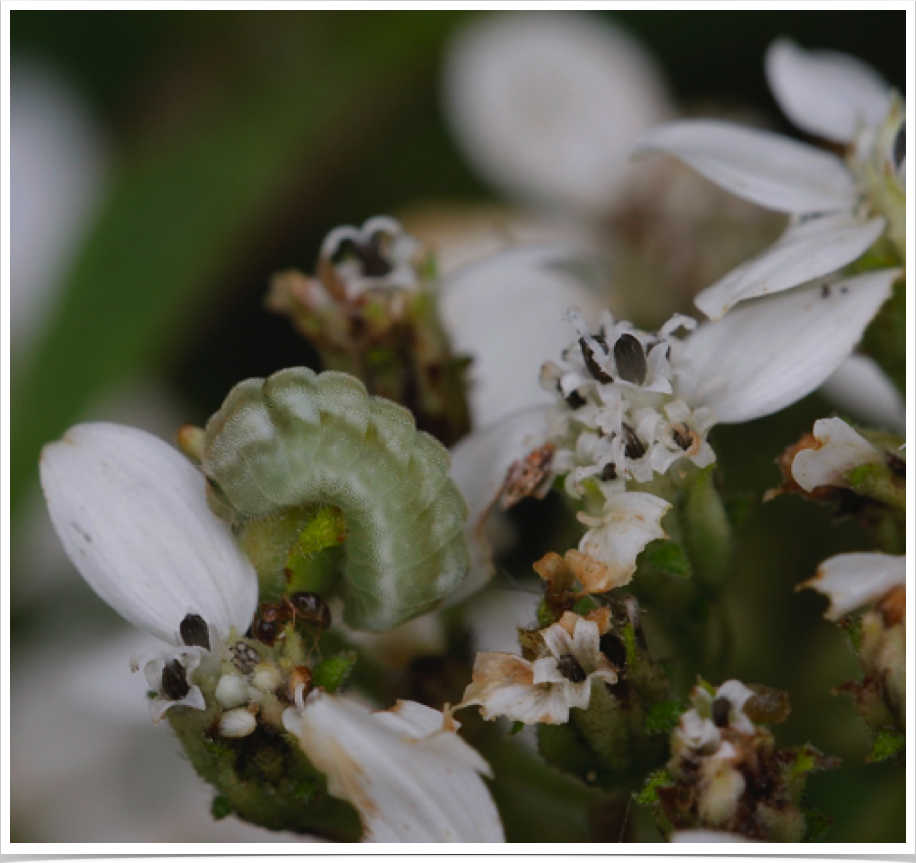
[(770, 353), (630, 521), (706, 836), (807, 250), (853, 580), (546, 670), (132, 515), (407, 785), (479, 465), (767, 169), (861, 388), (827, 94), (840, 449), (547, 107), (502, 685), (506, 313)]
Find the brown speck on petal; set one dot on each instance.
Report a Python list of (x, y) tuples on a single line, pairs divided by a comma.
[(528, 477)]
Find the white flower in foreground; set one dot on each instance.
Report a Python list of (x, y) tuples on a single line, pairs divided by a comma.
[(133, 517), (547, 106), (631, 403), (543, 690), (642, 401), (839, 208), (839, 449), (850, 581), (410, 777)]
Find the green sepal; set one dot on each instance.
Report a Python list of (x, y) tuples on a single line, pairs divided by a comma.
[(332, 673), (889, 743), (663, 717), (648, 796)]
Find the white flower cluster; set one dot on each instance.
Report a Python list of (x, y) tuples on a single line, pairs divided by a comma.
[(619, 415)]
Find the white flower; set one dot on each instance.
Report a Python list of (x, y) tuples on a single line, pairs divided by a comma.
[(132, 515), (850, 581), (628, 522), (840, 448), (378, 255), (629, 404), (699, 730), (542, 691), (547, 106), (410, 777), (839, 208)]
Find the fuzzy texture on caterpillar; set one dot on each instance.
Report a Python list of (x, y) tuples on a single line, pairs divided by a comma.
[(301, 438)]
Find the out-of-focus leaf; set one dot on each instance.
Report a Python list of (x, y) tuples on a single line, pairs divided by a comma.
[(179, 217)]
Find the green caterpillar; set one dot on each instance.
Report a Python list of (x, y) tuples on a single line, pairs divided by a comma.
[(299, 438)]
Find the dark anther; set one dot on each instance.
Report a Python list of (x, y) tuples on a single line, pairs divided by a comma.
[(608, 472), (371, 257), (311, 608), (266, 631), (682, 437), (175, 681), (591, 362), (825, 292), (900, 146), (194, 631), (575, 401), (569, 667), (721, 708), (631, 359), (633, 446), (613, 648), (896, 464)]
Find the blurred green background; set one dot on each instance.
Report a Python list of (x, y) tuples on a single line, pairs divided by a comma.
[(236, 140)]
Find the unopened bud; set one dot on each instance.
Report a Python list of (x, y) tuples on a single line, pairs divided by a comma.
[(237, 723)]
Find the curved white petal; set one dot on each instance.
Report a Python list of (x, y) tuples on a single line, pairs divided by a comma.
[(479, 466), (766, 355), (503, 685), (547, 106), (807, 250), (861, 388), (409, 781), (839, 449), (827, 94), (767, 169), (629, 522), (506, 312), (853, 580), (132, 515)]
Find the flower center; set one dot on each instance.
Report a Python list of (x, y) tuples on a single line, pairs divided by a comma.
[(721, 708), (570, 668), (175, 681)]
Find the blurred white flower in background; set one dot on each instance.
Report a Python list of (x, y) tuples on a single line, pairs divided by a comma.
[(59, 159), (548, 105)]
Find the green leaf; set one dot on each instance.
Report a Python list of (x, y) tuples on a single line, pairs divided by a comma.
[(888, 743), (515, 729), (663, 717), (191, 207), (333, 672)]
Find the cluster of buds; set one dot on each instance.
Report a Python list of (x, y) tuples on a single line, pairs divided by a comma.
[(726, 774), (371, 310)]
